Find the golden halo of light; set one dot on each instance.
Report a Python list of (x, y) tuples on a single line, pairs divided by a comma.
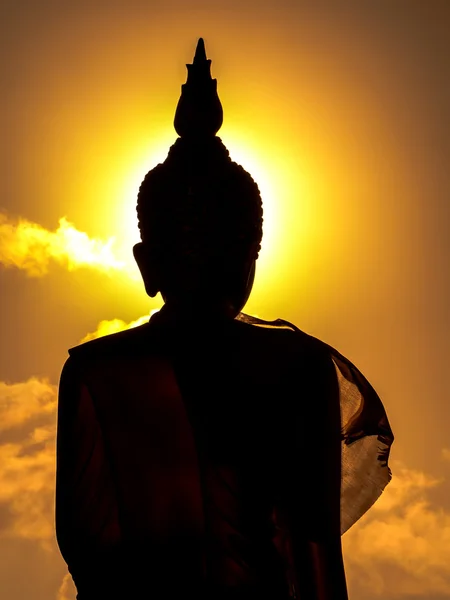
[(284, 193), (280, 189)]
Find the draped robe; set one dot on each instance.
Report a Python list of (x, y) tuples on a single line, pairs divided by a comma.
[(213, 460)]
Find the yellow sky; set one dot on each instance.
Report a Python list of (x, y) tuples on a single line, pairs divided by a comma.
[(340, 111)]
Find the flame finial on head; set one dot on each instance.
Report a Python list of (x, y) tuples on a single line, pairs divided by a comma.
[(199, 212), (199, 111), (200, 52)]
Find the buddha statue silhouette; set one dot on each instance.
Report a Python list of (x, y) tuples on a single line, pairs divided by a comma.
[(209, 454)]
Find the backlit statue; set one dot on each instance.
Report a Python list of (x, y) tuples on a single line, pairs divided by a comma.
[(209, 454)]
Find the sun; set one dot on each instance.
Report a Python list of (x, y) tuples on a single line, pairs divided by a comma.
[(283, 225), (286, 210)]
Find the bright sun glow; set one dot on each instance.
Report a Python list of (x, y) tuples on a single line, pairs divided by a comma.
[(128, 190), (286, 210), (274, 184)]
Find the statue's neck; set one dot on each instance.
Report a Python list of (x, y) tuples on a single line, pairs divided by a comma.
[(174, 312)]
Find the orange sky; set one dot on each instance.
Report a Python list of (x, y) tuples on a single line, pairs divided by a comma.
[(340, 111)]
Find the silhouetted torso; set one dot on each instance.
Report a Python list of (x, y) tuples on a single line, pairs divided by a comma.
[(177, 445)]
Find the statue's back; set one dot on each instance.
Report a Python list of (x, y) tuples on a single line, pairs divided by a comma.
[(183, 439)]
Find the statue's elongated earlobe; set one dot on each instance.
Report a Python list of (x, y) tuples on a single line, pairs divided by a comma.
[(148, 269)]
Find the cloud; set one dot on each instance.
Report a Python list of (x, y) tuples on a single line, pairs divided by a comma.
[(32, 248), (21, 402), (27, 466), (67, 590), (27, 473), (402, 545), (445, 454), (116, 325)]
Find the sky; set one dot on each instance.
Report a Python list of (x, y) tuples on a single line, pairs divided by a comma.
[(341, 112)]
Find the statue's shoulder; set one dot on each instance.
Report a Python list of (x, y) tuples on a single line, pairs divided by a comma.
[(279, 330), (115, 345), (278, 335)]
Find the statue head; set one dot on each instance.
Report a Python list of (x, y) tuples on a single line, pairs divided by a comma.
[(199, 213)]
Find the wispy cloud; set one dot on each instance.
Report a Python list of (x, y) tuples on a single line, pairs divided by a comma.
[(27, 460), (67, 589), (445, 454), (32, 248), (116, 325), (22, 402), (402, 545)]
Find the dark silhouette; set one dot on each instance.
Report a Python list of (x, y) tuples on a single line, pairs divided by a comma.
[(209, 454)]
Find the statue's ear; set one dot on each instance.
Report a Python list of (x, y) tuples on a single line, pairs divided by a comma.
[(249, 279), (147, 268), (243, 286)]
